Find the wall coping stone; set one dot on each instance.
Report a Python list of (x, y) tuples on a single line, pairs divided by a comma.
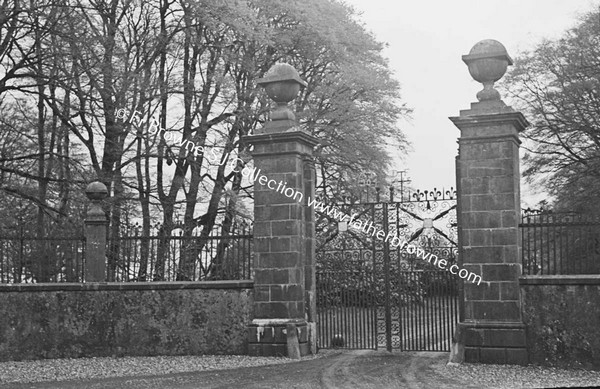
[(471, 324), (101, 286), (583, 279)]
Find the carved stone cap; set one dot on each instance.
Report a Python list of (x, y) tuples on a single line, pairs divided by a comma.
[(281, 72)]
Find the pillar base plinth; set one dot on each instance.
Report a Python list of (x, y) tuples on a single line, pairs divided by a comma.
[(268, 337), (490, 342)]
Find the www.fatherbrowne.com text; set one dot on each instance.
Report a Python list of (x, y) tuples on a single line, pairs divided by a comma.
[(367, 228)]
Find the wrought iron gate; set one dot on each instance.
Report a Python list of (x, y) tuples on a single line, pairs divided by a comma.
[(370, 295)]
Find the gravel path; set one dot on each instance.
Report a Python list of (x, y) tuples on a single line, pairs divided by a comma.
[(330, 369), (509, 377), (89, 368)]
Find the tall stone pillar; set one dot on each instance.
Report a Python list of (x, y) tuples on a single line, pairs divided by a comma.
[(283, 231), (95, 234), (491, 329)]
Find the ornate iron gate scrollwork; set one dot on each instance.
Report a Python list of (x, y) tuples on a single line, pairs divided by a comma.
[(372, 295)]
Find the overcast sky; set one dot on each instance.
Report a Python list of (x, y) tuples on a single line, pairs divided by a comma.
[(426, 41)]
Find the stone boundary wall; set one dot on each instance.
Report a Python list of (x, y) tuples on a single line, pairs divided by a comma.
[(562, 315), (71, 320)]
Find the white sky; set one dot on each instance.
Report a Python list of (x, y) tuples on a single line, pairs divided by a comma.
[(426, 41)]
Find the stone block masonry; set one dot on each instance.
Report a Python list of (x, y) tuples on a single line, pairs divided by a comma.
[(491, 329), (280, 242), (562, 315)]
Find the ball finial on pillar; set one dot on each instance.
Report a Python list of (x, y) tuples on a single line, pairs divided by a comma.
[(96, 192), (282, 84), (487, 62)]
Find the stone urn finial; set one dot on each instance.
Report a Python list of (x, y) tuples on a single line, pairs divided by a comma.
[(487, 62), (282, 84)]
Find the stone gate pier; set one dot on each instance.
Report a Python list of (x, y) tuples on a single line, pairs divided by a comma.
[(491, 328), (284, 307)]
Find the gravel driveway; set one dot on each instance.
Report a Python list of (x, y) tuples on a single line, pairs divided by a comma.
[(330, 369)]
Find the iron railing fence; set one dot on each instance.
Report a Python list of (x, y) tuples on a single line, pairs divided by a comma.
[(131, 257), (27, 259), (559, 243), (182, 258)]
